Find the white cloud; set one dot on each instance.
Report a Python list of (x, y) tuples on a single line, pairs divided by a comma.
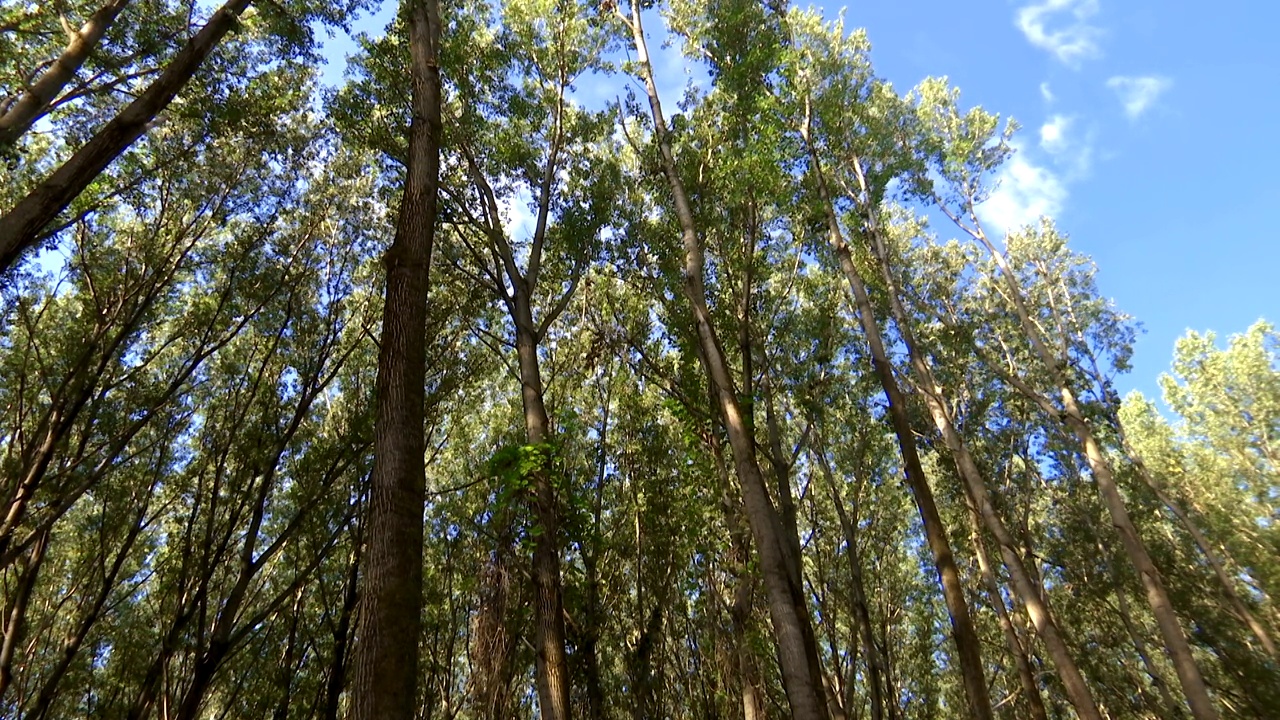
[(1138, 94), (1026, 191), (1069, 42), (1053, 134), (1046, 93), (1068, 150)]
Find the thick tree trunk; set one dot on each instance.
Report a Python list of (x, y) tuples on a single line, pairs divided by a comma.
[(20, 228), (787, 607), (968, 648), (35, 101), (385, 680)]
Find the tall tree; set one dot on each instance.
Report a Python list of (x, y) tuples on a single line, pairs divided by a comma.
[(385, 677)]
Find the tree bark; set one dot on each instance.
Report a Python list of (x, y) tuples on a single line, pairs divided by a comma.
[(552, 665), (787, 607), (21, 226), (35, 101), (385, 679)]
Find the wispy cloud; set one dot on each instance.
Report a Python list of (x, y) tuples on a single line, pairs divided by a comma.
[(1064, 145), (1046, 92), (1138, 94), (1053, 134), (1026, 191), (1070, 39)]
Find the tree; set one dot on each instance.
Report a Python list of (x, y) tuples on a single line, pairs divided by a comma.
[(386, 649)]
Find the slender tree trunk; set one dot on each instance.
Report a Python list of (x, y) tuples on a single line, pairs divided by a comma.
[(385, 678), (787, 607), (1140, 645), (968, 647), (742, 605), (975, 485), (1211, 556), (1194, 687), (876, 663), (552, 666), (34, 102), (15, 624), (21, 226), (1026, 677), (337, 678)]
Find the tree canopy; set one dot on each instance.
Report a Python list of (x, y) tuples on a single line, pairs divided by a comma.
[(520, 376)]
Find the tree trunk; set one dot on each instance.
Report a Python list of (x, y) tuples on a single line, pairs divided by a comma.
[(975, 485), (1211, 556), (552, 666), (32, 104), (968, 648), (20, 228), (742, 606), (337, 678), (876, 664), (15, 624), (1026, 677), (787, 607), (1175, 640), (385, 677)]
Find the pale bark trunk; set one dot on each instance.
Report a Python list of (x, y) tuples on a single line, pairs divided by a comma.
[(1036, 606), (35, 101), (787, 607), (385, 678), (21, 226), (1194, 687)]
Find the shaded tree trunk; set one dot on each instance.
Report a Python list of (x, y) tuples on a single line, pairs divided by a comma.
[(552, 665), (384, 685)]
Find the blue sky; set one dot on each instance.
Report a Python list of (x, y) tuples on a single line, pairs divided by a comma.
[(1149, 133)]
